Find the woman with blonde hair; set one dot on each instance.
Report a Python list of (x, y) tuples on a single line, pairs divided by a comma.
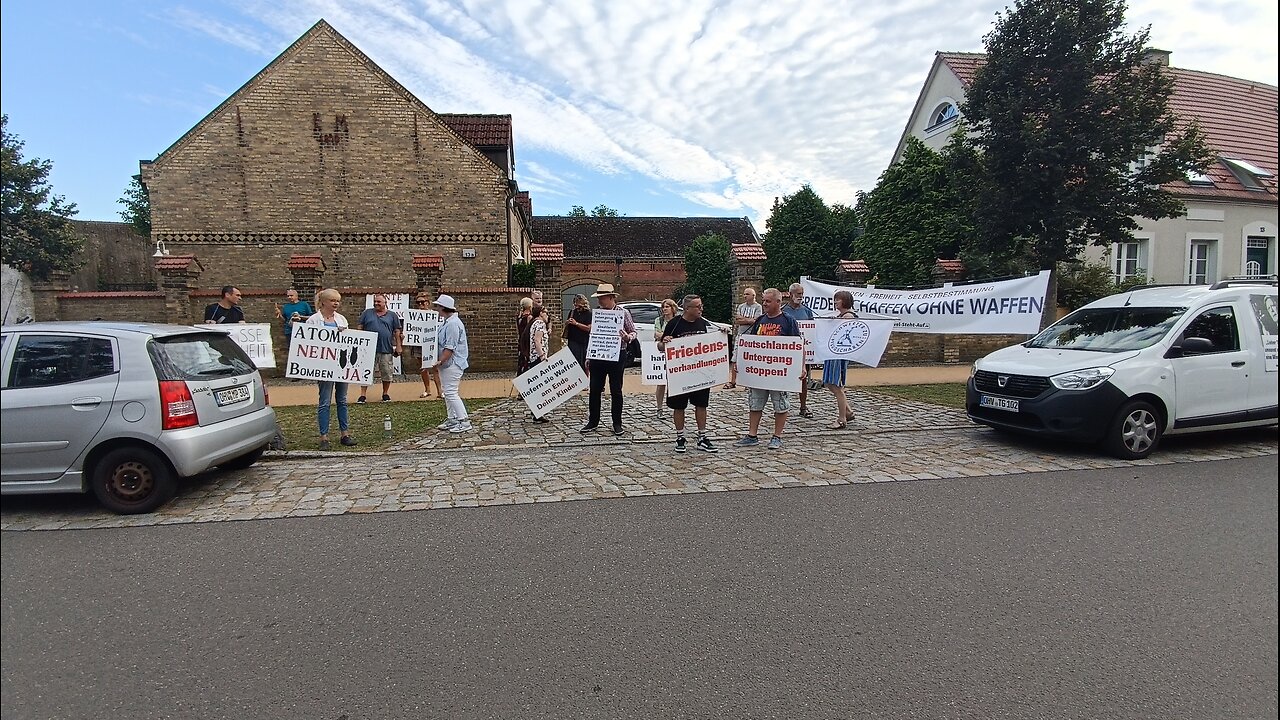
[(669, 311), (327, 301)]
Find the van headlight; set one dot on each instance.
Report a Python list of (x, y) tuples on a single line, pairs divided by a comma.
[(1082, 379)]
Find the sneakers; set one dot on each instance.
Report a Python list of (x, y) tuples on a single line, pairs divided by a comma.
[(361, 400), (447, 424), (680, 443), (461, 427), (617, 430), (704, 444), (748, 441), (589, 427), (386, 398), (775, 443), (348, 441), (324, 445)]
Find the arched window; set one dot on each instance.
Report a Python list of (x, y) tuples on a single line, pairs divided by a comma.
[(944, 113)]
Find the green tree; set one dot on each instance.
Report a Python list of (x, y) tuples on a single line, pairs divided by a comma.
[(708, 274), (599, 211), (137, 207), (1072, 131), (913, 216), (38, 237), (800, 239), (523, 275)]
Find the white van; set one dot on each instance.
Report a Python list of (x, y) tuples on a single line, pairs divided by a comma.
[(1127, 369)]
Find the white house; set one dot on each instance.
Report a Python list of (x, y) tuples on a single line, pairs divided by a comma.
[(1230, 225)]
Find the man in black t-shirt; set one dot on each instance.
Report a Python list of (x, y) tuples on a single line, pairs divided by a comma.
[(226, 310), (690, 323)]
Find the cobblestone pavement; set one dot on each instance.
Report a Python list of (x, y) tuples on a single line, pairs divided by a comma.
[(509, 460)]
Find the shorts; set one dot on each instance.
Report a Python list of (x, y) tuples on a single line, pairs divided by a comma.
[(384, 366), (756, 400), (699, 398)]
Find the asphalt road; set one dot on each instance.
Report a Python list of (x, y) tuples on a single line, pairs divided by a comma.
[(1144, 592)]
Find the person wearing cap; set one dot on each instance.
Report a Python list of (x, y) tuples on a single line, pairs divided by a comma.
[(451, 362), (428, 372), (609, 370)]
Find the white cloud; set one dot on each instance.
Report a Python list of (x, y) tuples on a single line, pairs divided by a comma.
[(727, 104)]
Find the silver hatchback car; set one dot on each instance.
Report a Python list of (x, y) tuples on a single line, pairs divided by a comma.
[(125, 409)]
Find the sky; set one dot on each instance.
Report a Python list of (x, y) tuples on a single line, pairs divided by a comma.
[(662, 108)]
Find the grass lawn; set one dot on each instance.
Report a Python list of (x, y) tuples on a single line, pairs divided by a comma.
[(408, 419), (948, 394)]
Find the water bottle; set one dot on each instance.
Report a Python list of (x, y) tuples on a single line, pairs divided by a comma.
[(386, 427)]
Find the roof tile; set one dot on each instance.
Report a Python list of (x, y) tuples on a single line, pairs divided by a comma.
[(748, 251), (480, 130), (423, 262), (306, 262), (854, 266), (178, 262), (546, 253)]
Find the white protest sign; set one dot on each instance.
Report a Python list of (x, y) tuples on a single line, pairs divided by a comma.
[(396, 303), (695, 362), (1267, 313), (422, 329), (253, 338), (653, 364), (317, 352), (1003, 307), (807, 330), (549, 384), (770, 362), (605, 341), (855, 339)]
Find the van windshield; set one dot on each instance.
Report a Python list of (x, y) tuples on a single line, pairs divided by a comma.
[(1115, 329)]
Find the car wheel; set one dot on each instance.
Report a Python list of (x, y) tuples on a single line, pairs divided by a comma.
[(1135, 432), (244, 461), (133, 480)]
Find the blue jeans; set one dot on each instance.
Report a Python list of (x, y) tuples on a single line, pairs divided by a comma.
[(322, 413)]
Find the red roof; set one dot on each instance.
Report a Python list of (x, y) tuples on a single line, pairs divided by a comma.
[(1238, 118), (546, 253), (748, 251), (480, 130), (422, 262), (951, 266), (854, 266), (306, 262), (178, 262)]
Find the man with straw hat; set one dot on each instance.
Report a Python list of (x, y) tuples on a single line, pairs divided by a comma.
[(610, 370)]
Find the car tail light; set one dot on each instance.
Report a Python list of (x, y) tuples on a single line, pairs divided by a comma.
[(266, 395), (177, 407)]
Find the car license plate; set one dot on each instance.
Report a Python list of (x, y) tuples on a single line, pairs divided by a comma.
[(998, 403), (232, 395)]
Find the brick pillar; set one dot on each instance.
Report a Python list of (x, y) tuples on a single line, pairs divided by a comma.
[(178, 275), (853, 272), (308, 276), (44, 295), (747, 263), (429, 270), (547, 263), (948, 271)]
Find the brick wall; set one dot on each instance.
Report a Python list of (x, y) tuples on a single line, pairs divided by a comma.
[(113, 253), (645, 279), (133, 306), (928, 349)]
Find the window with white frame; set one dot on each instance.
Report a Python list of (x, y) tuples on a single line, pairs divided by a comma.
[(1202, 261), (944, 113), (1129, 260)]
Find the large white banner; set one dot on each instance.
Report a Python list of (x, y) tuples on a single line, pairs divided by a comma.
[(653, 364), (253, 338), (317, 352), (696, 362), (605, 340), (807, 330), (855, 339), (1003, 307), (770, 362), (422, 329), (549, 384)]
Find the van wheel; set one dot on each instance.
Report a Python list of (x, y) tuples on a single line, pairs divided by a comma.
[(1135, 432), (244, 461), (133, 480)]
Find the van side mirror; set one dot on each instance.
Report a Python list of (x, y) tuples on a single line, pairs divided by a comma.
[(1191, 346)]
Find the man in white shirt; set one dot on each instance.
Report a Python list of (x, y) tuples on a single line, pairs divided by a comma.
[(743, 318)]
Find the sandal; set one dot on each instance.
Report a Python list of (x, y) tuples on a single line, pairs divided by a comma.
[(729, 386), (838, 426), (805, 413), (424, 395)]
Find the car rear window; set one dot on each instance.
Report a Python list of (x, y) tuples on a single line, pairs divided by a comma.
[(1113, 329), (195, 357), (643, 315)]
